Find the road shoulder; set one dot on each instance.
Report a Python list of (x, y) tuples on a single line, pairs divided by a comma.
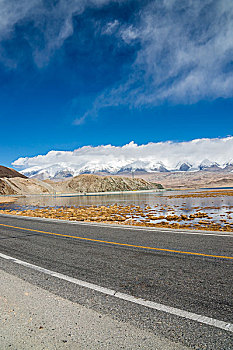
[(32, 317)]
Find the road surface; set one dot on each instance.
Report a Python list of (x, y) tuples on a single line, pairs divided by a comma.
[(175, 285)]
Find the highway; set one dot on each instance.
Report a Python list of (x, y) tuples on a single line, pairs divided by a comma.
[(174, 284)]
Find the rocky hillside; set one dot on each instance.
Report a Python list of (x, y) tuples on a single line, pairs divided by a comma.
[(5, 188), (78, 184), (95, 183), (6, 175), (10, 173), (21, 186)]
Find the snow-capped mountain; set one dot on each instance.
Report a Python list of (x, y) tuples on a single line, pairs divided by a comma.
[(61, 171), (196, 155)]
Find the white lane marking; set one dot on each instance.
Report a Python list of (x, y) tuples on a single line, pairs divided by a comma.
[(124, 227), (226, 326)]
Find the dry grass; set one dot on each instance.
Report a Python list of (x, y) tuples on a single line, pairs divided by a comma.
[(131, 214)]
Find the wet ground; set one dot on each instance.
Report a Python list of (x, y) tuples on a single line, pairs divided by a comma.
[(200, 209)]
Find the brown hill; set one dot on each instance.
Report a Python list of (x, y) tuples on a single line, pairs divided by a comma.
[(5, 188), (9, 173), (78, 184), (95, 183), (23, 186)]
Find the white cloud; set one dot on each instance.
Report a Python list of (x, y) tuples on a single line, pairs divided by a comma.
[(149, 156), (110, 27), (54, 22), (129, 34), (185, 55)]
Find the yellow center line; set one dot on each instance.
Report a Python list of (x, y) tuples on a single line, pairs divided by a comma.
[(119, 244)]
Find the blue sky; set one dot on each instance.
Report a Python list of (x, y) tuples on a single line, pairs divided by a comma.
[(98, 72)]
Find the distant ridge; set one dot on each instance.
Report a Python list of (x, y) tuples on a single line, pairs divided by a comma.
[(9, 173), (78, 184)]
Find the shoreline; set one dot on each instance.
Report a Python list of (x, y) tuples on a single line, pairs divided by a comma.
[(11, 198), (8, 199), (82, 194)]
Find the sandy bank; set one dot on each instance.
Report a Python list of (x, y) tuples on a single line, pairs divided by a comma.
[(7, 199)]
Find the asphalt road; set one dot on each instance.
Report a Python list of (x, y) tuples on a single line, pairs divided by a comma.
[(193, 280)]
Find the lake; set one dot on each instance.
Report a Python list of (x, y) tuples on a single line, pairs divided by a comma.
[(217, 204)]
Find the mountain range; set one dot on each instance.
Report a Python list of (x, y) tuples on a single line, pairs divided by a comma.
[(63, 170), (214, 155)]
